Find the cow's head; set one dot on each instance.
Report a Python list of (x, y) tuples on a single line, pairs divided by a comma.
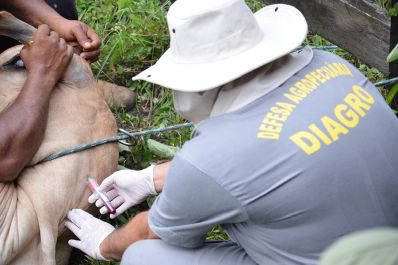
[(78, 72)]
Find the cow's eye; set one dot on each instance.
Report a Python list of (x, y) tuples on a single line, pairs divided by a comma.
[(16, 62)]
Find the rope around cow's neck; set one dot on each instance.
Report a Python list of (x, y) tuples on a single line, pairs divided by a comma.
[(125, 135)]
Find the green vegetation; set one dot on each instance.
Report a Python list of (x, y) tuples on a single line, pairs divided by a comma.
[(392, 57), (134, 35), (392, 9)]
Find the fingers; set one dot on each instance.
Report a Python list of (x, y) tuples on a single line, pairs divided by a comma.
[(62, 44), (72, 216), (124, 207), (24, 51), (72, 227), (103, 210), (99, 203), (90, 56), (106, 186), (93, 197), (79, 32), (75, 244), (110, 194), (47, 45), (89, 40), (95, 40), (115, 199), (116, 202), (42, 31), (78, 216), (69, 52), (107, 183), (55, 36), (83, 215)]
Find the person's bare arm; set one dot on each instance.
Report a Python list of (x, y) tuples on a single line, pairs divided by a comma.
[(118, 241), (34, 12), (23, 123), (37, 12), (159, 175)]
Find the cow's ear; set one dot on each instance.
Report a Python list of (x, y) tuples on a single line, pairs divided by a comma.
[(79, 72)]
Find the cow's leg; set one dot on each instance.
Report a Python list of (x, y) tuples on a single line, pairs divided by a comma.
[(19, 227), (116, 96), (63, 250)]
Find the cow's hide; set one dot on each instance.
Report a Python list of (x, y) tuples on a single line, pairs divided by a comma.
[(33, 208)]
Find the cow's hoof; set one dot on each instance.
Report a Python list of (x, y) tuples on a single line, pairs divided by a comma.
[(117, 96)]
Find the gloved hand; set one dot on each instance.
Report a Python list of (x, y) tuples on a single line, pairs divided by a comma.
[(90, 230), (125, 188)]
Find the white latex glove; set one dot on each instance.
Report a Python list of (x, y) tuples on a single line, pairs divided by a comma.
[(90, 230), (125, 188)]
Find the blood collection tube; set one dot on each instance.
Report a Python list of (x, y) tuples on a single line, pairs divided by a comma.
[(93, 185)]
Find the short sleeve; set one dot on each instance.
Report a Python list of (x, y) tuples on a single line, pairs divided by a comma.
[(191, 204)]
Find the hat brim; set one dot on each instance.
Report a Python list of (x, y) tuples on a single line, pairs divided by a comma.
[(284, 28)]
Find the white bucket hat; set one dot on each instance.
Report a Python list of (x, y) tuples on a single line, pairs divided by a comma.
[(216, 41)]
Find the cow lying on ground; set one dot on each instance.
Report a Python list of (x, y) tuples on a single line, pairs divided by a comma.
[(33, 208)]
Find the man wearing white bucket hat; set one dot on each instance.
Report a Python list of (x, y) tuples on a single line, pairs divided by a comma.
[(292, 149)]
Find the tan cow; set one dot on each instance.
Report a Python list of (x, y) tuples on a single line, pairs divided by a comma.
[(33, 208)]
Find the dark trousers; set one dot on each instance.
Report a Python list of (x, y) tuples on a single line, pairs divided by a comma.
[(65, 8)]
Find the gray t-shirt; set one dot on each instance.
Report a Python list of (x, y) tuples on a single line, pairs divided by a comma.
[(289, 173)]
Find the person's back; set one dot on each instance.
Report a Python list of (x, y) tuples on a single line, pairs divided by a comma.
[(285, 169), (308, 163)]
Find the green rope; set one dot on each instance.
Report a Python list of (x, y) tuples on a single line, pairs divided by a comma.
[(387, 82), (113, 139), (327, 47), (318, 47)]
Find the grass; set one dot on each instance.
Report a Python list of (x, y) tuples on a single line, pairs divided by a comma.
[(134, 35), (391, 9)]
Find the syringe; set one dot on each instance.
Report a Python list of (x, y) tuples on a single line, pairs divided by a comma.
[(93, 185)]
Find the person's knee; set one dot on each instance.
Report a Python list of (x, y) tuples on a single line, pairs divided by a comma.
[(374, 246), (139, 252)]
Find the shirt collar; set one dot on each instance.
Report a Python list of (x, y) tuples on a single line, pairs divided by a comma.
[(260, 82)]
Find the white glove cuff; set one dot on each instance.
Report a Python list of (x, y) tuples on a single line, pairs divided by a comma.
[(149, 172)]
